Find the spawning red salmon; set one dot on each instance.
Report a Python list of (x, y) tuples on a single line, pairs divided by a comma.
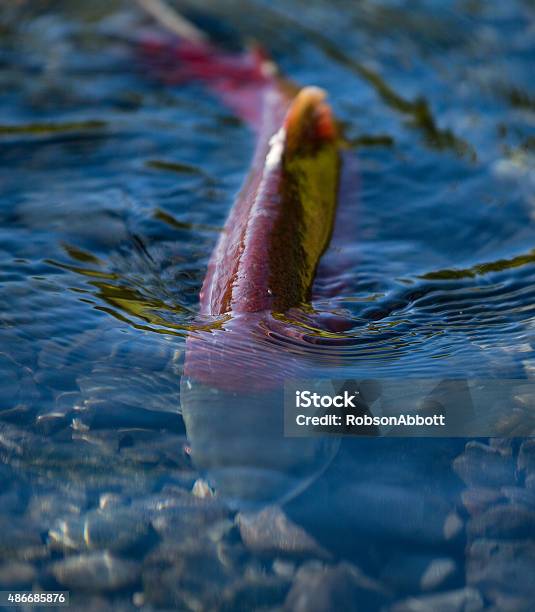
[(263, 265)]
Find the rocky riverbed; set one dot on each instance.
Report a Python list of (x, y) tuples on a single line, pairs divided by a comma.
[(129, 524)]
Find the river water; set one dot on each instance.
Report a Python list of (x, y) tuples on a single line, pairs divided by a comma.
[(114, 187)]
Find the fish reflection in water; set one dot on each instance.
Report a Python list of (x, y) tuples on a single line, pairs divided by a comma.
[(235, 422)]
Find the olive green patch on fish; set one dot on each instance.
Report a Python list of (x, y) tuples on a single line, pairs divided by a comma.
[(308, 191)]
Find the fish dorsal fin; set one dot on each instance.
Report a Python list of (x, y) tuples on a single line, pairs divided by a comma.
[(309, 122)]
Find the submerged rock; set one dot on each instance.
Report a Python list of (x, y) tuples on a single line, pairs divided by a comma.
[(503, 521), (323, 588), (462, 600), (99, 602), (526, 457), (99, 571), (485, 466), (45, 508), (283, 568), (438, 573), (271, 532), (20, 540), (185, 579), (478, 499), (106, 501), (255, 590), (500, 555), (520, 495), (17, 575), (502, 569), (202, 489), (413, 573), (176, 516), (115, 529)]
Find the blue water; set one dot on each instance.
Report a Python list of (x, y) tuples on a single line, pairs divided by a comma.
[(114, 188)]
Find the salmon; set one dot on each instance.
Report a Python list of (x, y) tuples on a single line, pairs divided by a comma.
[(263, 265), (266, 258), (283, 217)]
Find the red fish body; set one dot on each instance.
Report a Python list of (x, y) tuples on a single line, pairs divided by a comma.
[(266, 258), (281, 222), (263, 265)]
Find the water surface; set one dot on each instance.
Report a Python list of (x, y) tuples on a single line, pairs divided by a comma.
[(114, 188)]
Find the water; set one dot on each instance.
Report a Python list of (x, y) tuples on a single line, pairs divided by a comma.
[(113, 190)]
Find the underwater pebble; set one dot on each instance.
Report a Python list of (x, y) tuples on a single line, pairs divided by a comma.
[(453, 526), (501, 568), (173, 516), (20, 540), (111, 500), (408, 572), (478, 499), (231, 555), (284, 568), (485, 466), (520, 495), (114, 529), (255, 590), (462, 600), (176, 524), (503, 521), (503, 444), (98, 571), (517, 423), (271, 532), (437, 573), (323, 588), (106, 442), (45, 508), (510, 603), (526, 457), (84, 602), (169, 552), (51, 423), (66, 402), (15, 441), (201, 489), (185, 579), (147, 447), (17, 575)]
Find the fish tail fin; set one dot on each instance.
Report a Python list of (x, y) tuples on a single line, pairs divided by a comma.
[(172, 21), (182, 53)]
